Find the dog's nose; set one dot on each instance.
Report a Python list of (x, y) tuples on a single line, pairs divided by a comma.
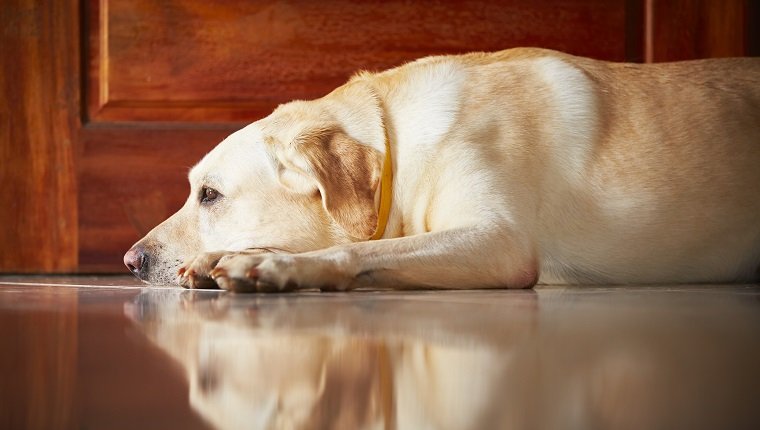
[(136, 260)]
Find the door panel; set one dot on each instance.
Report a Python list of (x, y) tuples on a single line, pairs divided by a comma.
[(195, 60), (203, 69)]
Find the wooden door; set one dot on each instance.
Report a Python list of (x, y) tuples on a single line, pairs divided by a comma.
[(107, 103)]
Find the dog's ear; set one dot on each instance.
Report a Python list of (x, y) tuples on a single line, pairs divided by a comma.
[(340, 154), (346, 172)]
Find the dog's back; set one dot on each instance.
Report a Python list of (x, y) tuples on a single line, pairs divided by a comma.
[(671, 189), (646, 173)]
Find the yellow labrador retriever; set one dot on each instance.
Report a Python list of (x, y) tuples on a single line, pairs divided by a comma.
[(481, 171)]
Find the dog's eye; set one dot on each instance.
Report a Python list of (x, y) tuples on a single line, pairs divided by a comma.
[(208, 195)]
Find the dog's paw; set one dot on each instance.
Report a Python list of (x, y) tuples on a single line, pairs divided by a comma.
[(279, 273), (196, 272)]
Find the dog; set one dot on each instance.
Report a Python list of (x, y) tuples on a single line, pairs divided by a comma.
[(484, 170)]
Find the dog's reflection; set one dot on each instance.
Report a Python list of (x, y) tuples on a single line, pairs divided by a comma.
[(254, 362), (449, 360)]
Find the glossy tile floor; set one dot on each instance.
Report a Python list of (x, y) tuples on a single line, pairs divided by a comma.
[(102, 353)]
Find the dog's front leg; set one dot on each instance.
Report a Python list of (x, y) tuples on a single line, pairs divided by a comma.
[(195, 272), (472, 257)]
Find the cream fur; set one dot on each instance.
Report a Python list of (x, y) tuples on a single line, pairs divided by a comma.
[(509, 168)]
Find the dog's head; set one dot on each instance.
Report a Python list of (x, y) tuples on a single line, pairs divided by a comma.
[(306, 177)]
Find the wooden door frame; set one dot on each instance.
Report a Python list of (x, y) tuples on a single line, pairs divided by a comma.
[(39, 128)]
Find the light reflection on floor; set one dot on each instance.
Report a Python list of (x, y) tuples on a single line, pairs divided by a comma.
[(110, 353)]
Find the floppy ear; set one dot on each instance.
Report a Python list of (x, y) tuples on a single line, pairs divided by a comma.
[(346, 172), (340, 153)]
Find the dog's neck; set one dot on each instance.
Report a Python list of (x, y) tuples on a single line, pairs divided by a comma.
[(386, 191)]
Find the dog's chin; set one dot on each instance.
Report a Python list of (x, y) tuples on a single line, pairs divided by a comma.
[(163, 281), (161, 277)]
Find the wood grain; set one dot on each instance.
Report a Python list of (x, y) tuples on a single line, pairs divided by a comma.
[(194, 60), (690, 29), (39, 120), (131, 179)]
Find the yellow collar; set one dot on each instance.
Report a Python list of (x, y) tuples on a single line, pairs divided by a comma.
[(386, 192)]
